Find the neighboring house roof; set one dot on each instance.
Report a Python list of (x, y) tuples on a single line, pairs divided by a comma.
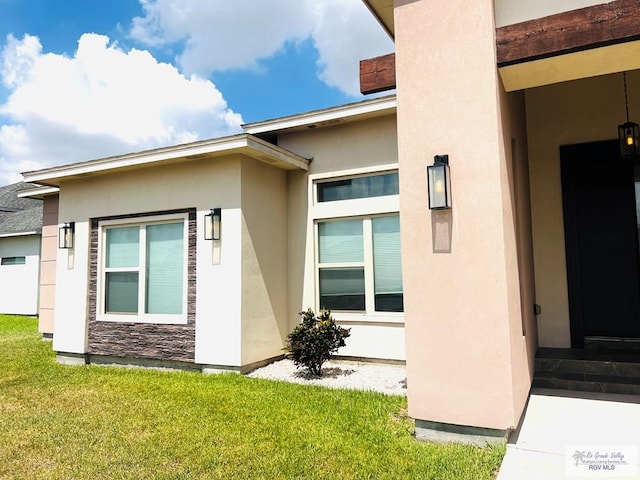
[(19, 215)]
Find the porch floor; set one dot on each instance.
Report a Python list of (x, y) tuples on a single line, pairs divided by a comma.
[(557, 426)]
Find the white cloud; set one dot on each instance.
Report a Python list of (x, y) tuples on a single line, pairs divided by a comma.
[(238, 34), (223, 34), (345, 33), (102, 101)]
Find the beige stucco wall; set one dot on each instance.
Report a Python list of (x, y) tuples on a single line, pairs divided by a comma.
[(19, 283), (364, 146), (562, 114), (49, 252), (514, 11), (203, 185), (264, 261), (467, 360)]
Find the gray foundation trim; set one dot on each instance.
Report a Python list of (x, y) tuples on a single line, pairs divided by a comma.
[(437, 432), (217, 369), (148, 363), (158, 364), (73, 359), (244, 369), (250, 367), (373, 360), (47, 337)]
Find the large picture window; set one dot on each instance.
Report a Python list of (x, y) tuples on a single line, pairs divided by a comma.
[(359, 264), (144, 271)]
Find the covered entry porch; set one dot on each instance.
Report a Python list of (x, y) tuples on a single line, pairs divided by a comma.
[(585, 206), (585, 213)]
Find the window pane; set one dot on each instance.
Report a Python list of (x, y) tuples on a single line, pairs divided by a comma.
[(13, 261), (387, 266), (359, 187), (121, 292), (165, 262), (123, 247), (342, 288), (340, 241)]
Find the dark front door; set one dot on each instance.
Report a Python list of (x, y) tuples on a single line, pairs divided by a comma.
[(601, 235)]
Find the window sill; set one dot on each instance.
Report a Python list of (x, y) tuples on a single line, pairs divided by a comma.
[(362, 318), (152, 319)]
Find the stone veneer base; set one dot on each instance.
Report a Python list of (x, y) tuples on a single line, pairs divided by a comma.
[(437, 432)]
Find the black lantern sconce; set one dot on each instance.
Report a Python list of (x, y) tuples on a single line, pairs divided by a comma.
[(628, 132), (213, 224), (439, 183), (65, 235)]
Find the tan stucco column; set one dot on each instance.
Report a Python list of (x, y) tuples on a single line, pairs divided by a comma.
[(467, 358)]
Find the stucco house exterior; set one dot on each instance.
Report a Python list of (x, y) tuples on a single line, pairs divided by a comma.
[(538, 250), (20, 231), (312, 196)]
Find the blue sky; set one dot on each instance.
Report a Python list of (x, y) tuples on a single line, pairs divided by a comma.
[(84, 79)]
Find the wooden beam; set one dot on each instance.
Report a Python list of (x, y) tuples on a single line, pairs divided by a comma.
[(378, 74), (575, 30)]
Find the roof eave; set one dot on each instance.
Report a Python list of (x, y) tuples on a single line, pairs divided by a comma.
[(243, 144), (38, 192), (382, 10), (376, 107)]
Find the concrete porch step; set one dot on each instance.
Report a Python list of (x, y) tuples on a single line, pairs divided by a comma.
[(588, 370)]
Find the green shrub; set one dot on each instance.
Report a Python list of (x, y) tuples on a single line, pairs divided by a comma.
[(312, 342)]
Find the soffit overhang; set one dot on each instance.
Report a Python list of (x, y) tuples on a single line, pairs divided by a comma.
[(596, 40), (383, 11), (242, 144), (571, 66), (586, 42)]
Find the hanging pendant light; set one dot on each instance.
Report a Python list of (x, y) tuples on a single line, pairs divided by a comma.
[(628, 132)]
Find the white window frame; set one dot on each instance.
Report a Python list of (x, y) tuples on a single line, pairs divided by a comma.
[(361, 208), (140, 316)]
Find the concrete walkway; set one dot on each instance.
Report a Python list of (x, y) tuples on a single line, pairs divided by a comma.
[(559, 425)]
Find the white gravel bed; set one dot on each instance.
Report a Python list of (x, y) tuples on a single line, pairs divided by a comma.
[(384, 378)]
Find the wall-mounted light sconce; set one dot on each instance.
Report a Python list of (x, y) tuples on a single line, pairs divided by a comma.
[(65, 235), (439, 183), (628, 132), (212, 224)]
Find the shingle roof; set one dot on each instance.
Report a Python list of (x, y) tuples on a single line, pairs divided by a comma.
[(19, 215)]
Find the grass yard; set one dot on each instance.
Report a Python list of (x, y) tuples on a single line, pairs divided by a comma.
[(61, 422)]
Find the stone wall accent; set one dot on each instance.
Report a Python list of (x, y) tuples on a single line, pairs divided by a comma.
[(144, 340)]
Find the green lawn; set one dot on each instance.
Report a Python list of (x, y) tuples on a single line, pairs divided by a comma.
[(61, 422)]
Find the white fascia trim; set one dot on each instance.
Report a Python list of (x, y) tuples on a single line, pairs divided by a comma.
[(38, 192), (242, 143), (321, 116), (21, 234)]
